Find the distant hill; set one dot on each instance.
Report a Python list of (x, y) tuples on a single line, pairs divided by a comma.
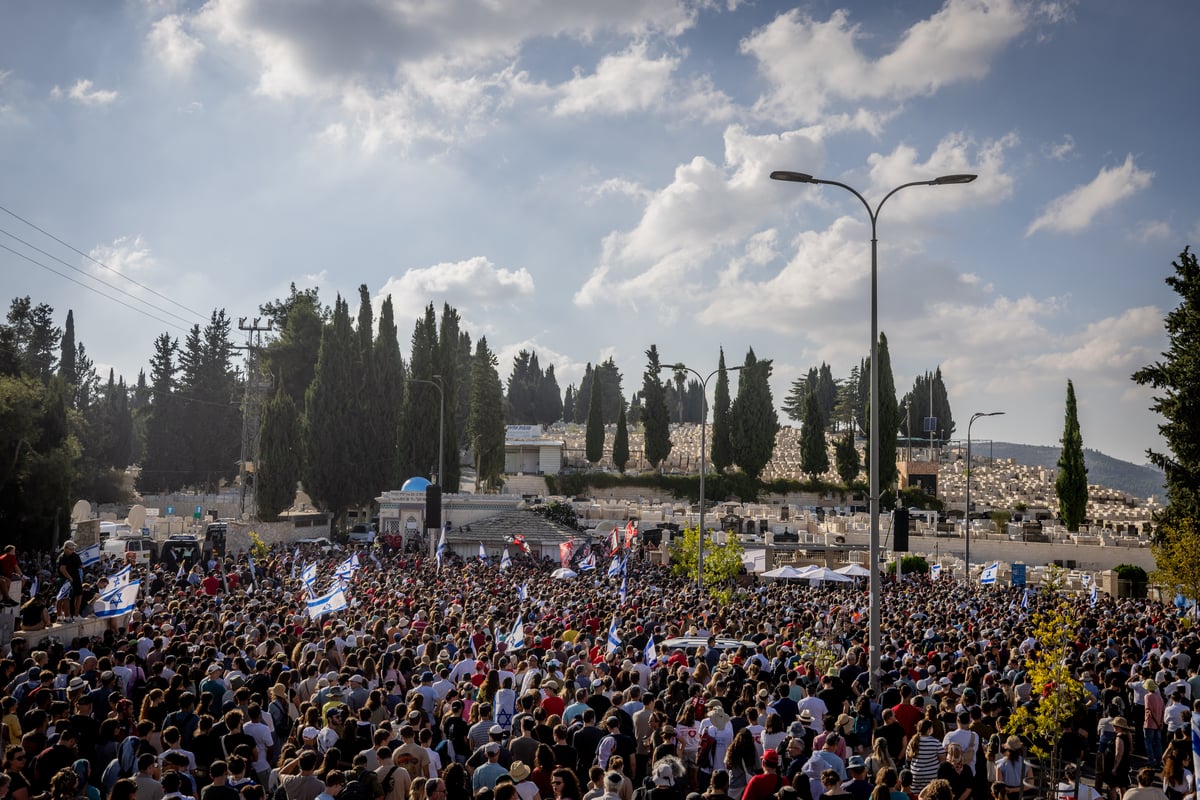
[(1138, 480)]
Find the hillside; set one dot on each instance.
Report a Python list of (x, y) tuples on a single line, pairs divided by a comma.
[(1138, 480)]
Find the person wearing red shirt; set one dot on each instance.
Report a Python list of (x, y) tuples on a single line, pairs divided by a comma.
[(764, 785), (9, 569), (211, 585), (906, 713)]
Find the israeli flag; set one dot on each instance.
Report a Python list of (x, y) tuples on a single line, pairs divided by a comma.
[(990, 573), (1086, 578), (179, 575), (588, 563), (344, 571), (119, 578), (64, 591), (328, 603), (505, 561), (1025, 599), (650, 654), (1195, 742), (119, 601), (441, 549), (90, 555), (614, 641), (935, 572), (516, 639), (1093, 595), (483, 556), (295, 561), (309, 574), (614, 568), (624, 589), (33, 587), (523, 592)]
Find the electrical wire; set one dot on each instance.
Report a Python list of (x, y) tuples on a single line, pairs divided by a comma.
[(101, 264)]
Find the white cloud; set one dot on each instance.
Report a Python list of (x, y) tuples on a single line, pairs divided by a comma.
[(1075, 210), (127, 255), (1060, 150), (83, 94), (173, 45), (623, 82), (468, 285), (1117, 345), (811, 64), (1150, 230)]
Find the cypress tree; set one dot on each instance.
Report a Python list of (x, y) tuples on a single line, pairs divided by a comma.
[(594, 437), (328, 478), (390, 388), (621, 441), (568, 413), (158, 472), (66, 360), (655, 416), (520, 391), (754, 421), (448, 343), (420, 443), (826, 394), (612, 395), (814, 458), (889, 415), (549, 398), (1071, 483), (846, 457), (583, 394), (485, 425), (722, 452), (363, 428), (280, 442)]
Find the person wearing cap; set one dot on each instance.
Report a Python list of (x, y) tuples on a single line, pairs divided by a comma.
[(1012, 769), (1116, 760), (486, 775), (70, 568), (858, 786), (765, 784)]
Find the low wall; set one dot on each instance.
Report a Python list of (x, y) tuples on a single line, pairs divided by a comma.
[(64, 632), (237, 538)]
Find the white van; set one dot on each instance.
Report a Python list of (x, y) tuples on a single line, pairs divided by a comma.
[(135, 549), (113, 530)]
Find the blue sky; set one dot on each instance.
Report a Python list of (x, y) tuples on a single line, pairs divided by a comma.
[(587, 178)]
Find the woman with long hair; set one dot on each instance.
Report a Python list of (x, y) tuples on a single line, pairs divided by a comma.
[(564, 784), (925, 755), (15, 760), (741, 759), (955, 771), (880, 758), (457, 781)]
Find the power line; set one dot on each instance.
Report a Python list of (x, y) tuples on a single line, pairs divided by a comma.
[(69, 266), (99, 263), (116, 300)]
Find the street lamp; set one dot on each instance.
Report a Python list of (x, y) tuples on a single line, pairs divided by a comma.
[(441, 420), (967, 517), (876, 587), (703, 448)]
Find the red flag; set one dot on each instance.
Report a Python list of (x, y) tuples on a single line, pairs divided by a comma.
[(519, 541), (630, 533), (614, 541), (565, 551)]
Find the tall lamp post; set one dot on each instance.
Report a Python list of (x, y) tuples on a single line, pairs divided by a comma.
[(967, 514), (437, 384), (703, 454), (876, 587)]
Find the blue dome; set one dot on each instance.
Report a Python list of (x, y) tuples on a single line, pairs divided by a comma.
[(417, 484)]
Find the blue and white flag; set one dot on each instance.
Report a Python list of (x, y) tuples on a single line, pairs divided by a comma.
[(588, 562), (441, 549), (1086, 579), (614, 641), (1025, 599), (253, 571), (90, 555), (505, 560), (516, 639), (990, 573), (1195, 743), (523, 592), (179, 575), (344, 571), (614, 568), (650, 654), (33, 587), (119, 601), (1093, 595), (935, 572), (624, 588), (309, 574), (483, 556), (335, 600), (119, 579), (64, 591)]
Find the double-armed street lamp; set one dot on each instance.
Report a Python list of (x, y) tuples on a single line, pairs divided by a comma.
[(876, 587), (437, 384), (703, 454), (967, 513)]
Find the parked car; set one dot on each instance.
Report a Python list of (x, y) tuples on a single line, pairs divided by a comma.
[(135, 549), (690, 643), (362, 533), (320, 542), (181, 549)]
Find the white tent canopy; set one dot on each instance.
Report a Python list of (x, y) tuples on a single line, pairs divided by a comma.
[(826, 575), (786, 571), (563, 572), (854, 571)]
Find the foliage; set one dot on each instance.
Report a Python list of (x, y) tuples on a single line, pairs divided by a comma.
[(717, 487), (889, 416), (1071, 483), (845, 456), (818, 382), (1132, 572), (721, 562), (161, 439), (329, 480), (814, 455), (620, 452), (299, 321), (485, 426), (913, 565), (754, 421), (594, 436), (915, 497), (1175, 557), (1174, 380), (558, 511), (1059, 696), (1001, 518), (917, 403), (820, 653), (609, 378), (655, 417), (447, 368), (419, 443), (533, 397), (258, 548), (391, 385), (568, 412), (722, 450), (280, 444)]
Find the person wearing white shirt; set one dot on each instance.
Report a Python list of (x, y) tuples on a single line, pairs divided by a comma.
[(1175, 714), (263, 741), (1072, 788)]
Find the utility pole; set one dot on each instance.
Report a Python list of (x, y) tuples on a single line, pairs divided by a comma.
[(251, 402)]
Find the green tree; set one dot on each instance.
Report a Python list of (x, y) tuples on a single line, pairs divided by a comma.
[(918, 407), (36, 337), (814, 457), (583, 394), (655, 416), (522, 388), (612, 396), (448, 343), (845, 456), (328, 479), (362, 430), (1175, 379), (421, 409), (594, 437), (549, 398), (1177, 567), (722, 563), (486, 423), (280, 443), (1071, 483), (159, 471), (66, 359), (568, 412), (826, 391), (722, 450), (754, 421), (299, 322), (390, 388), (801, 388), (889, 416), (621, 442)]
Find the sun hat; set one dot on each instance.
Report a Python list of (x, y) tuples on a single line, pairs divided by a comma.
[(856, 762), (1013, 744), (1122, 723), (519, 771)]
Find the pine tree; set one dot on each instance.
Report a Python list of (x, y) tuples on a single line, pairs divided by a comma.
[(722, 450), (655, 416), (613, 396), (594, 437), (328, 479), (814, 457), (486, 423), (846, 457), (292, 358), (621, 442), (1176, 398), (277, 472), (1071, 483), (753, 420)]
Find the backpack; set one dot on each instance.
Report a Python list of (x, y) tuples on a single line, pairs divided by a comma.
[(356, 790), (389, 781)]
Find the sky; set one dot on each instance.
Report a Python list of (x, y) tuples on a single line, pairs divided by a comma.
[(585, 179)]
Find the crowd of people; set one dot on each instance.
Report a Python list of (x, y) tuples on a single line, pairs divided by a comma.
[(459, 679)]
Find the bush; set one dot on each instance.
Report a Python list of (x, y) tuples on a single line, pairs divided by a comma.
[(1130, 572), (915, 497), (912, 566)]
